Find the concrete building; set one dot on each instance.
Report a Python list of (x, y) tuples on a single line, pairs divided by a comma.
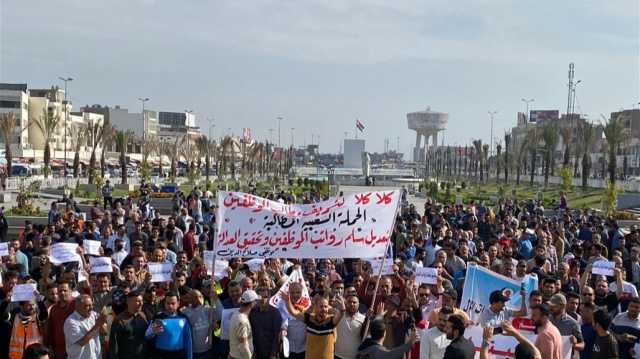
[(142, 125), (30, 106), (14, 98), (353, 150), (177, 124)]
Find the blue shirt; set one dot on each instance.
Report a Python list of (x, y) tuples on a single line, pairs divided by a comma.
[(589, 335), (526, 248), (176, 335)]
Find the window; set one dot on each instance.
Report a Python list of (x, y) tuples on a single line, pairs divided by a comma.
[(9, 104)]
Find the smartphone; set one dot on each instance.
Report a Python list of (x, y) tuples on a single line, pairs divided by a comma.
[(497, 330)]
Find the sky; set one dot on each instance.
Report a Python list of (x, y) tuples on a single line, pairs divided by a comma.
[(320, 65)]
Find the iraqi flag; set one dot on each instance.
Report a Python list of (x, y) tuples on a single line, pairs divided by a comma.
[(359, 125)]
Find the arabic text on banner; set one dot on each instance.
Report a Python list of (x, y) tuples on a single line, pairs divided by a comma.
[(480, 282), (355, 226), (24, 292), (603, 267), (100, 264), (504, 347), (91, 247), (4, 249), (160, 272), (64, 253), (426, 275)]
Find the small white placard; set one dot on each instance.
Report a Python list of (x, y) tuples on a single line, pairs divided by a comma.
[(386, 263), (100, 265), (91, 247), (24, 292), (603, 267), (4, 249), (225, 322), (160, 272), (426, 275), (64, 253)]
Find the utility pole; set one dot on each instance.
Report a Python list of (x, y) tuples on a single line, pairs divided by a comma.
[(491, 114), (66, 120), (570, 86)]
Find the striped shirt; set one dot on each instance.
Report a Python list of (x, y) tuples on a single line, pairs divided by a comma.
[(320, 337)]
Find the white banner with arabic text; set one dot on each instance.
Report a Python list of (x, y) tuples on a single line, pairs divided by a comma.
[(355, 226)]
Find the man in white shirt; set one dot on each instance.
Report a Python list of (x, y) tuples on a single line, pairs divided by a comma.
[(433, 341), (81, 330), (119, 252), (348, 331)]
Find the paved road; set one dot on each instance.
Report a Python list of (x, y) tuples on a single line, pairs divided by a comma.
[(418, 202)]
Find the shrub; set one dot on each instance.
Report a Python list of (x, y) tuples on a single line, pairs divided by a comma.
[(610, 198), (567, 178)]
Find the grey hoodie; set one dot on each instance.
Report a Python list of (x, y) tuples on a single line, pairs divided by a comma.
[(373, 350)]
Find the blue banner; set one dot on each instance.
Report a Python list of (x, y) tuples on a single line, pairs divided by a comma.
[(480, 282)]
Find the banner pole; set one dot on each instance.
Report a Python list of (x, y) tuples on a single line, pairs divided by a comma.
[(375, 293)]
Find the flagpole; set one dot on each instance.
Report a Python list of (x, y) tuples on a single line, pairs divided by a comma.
[(375, 291)]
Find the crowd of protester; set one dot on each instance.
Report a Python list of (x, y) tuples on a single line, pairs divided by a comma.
[(79, 314)]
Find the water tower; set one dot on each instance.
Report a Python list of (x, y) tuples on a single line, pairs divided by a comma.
[(426, 123)]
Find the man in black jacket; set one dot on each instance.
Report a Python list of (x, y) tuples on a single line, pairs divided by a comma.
[(460, 347)]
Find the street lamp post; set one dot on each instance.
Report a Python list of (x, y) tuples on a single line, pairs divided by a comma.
[(143, 100), (292, 143), (491, 114), (527, 101), (279, 123), (66, 119)]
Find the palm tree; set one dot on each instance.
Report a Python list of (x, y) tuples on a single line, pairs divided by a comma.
[(615, 133), (95, 131), (202, 144), (47, 123), (78, 139), (565, 134), (477, 145), (520, 150), (587, 132), (550, 137), (8, 123), (123, 138), (172, 150), (498, 160), (108, 138), (533, 138), (507, 144), (485, 159)]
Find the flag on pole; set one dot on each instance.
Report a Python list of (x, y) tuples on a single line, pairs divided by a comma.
[(359, 125)]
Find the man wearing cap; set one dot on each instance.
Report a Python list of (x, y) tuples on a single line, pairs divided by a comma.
[(240, 337), (498, 312), (565, 324)]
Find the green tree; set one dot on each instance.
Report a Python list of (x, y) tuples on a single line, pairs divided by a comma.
[(95, 131), (615, 133), (8, 124), (47, 124), (533, 139), (550, 138), (587, 133), (123, 139), (507, 160), (108, 139)]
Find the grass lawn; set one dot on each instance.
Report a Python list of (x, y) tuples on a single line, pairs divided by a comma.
[(577, 197)]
